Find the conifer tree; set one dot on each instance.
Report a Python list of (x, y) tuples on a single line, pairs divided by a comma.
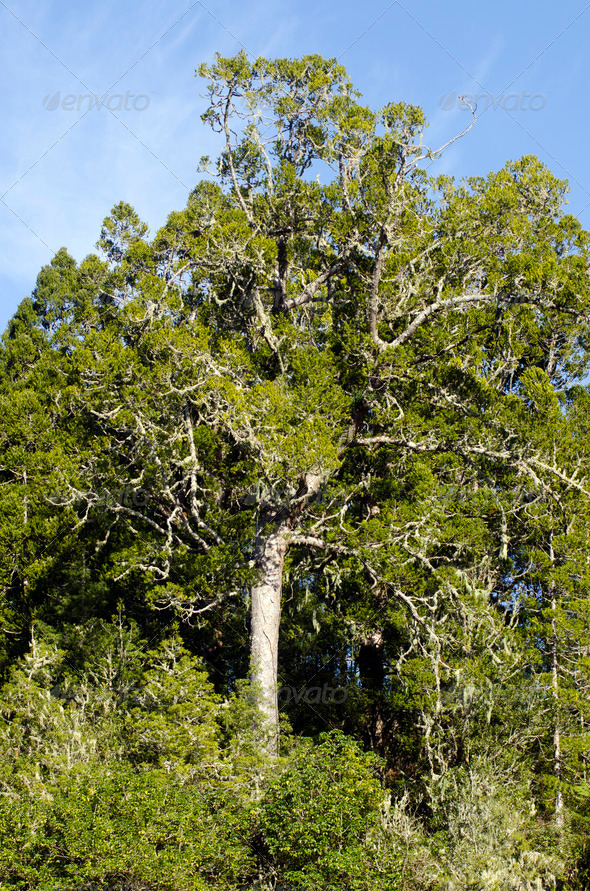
[(321, 361)]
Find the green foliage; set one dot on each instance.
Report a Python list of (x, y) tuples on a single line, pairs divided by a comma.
[(111, 827), (382, 370), (490, 836), (322, 824), (175, 721)]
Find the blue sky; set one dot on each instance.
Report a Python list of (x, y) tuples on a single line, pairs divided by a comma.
[(62, 168)]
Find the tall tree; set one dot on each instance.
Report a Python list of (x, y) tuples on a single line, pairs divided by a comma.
[(293, 371)]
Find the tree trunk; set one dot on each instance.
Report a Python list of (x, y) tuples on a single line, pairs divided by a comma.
[(271, 548)]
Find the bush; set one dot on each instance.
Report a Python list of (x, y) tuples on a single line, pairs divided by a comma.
[(118, 829), (321, 825)]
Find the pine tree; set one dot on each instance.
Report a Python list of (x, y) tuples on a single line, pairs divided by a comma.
[(294, 375)]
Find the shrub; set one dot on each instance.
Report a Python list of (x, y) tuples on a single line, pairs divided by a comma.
[(321, 825)]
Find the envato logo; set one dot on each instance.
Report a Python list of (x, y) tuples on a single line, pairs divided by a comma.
[(313, 695), (86, 101), (126, 497), (522, 101)]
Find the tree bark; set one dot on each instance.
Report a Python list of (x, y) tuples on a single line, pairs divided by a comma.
[(271, 548)]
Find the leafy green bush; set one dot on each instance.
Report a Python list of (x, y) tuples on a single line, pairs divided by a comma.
[(322, 825), (111, 773), (115, 828)]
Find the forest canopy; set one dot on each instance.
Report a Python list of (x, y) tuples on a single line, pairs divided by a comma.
[(294, 495)]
